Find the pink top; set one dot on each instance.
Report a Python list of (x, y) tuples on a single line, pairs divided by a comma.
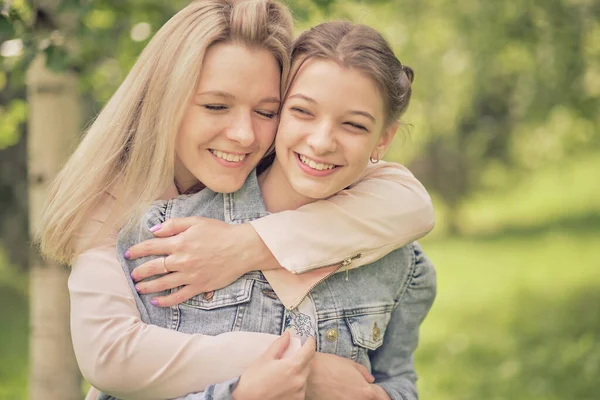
[(122, 356)]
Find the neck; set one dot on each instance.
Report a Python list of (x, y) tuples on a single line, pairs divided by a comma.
[(185, 181), (277, 192)]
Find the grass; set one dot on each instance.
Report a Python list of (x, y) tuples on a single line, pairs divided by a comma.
[(516, 316), (517, 310), (14, 317)]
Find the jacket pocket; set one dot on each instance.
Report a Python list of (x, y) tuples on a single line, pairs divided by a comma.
[(238, 292), (213, 313), (367, 330)]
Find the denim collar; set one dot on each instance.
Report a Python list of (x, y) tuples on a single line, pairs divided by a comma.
[(246, 204)]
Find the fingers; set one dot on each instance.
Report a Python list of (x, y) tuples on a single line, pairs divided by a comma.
[(183, 294), (152, 247), (364, 372), (169, 281), (151, 268), (306, 353), (278, 347), (174, 226)]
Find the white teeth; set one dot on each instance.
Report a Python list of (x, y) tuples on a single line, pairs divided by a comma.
[(228, 156), (314, 165)]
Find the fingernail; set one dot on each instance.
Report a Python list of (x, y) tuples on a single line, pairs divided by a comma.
[(137, 287), (132, 277), (126, 255), (155, 228), (154, 302)]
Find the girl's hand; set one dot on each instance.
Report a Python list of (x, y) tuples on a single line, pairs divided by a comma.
[(202, 255), (336, 378), (275, 378)]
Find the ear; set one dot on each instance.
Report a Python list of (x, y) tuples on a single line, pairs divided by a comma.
[(385, 140)]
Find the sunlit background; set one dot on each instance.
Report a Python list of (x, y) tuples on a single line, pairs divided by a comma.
[(502, 129)]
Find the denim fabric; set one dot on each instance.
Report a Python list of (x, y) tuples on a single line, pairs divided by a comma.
[(371, 314)]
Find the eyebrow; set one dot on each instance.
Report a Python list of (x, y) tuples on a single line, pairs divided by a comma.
[(354, 112), (229, 96), (364, 114)]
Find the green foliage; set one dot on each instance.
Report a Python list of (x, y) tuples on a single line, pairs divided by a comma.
[(57, 58), (12, 117), (7, 29)]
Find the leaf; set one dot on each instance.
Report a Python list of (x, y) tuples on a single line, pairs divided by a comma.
[(7, 30), (57, 58), (69, 5)]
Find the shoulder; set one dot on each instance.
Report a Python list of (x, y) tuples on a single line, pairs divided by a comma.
[(423, 277)]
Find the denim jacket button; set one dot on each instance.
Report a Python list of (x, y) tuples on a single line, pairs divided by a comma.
[(376, 332), (209, 295), (332, 335)]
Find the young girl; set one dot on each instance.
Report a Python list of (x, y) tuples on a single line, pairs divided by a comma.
[(341, 110), (136, 151)]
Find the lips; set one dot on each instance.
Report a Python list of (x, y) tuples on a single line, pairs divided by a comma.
[(314, 164), (305, 166)]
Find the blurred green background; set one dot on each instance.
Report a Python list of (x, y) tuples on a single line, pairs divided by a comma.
[(502, 129)]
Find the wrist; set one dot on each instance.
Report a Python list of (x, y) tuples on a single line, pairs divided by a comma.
[(380, 394), (256, 254)]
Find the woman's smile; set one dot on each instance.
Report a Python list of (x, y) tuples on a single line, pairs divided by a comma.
[(314, 167), (228, 159)]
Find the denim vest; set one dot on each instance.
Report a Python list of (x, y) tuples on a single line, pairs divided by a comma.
[(370, 314)]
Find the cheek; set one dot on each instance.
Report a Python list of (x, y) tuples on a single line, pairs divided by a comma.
[(266, 132), (291, 132), (358, 152)]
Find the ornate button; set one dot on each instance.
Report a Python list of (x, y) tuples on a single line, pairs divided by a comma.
[(376, 332), (332, 335), (208, 295)]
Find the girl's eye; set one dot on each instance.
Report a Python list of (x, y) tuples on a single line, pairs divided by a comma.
[(215, 107), (357, 126), (300, 111), (267, 114)]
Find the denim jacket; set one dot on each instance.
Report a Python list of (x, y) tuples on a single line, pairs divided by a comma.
[(370, 314)]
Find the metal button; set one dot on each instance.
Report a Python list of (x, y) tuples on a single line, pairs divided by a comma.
[(209, 295), (376, 332), (332, 335)]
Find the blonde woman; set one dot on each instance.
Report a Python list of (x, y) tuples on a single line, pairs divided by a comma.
[(347, 93), (132, 155)]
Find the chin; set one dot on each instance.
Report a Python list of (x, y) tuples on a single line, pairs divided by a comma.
[(313, 191), (225, 184)]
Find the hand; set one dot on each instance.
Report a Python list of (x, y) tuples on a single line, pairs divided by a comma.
[(203, 254), (274, 378), (333, 377)]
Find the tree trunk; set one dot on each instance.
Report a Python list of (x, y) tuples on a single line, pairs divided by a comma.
[(54, 124)]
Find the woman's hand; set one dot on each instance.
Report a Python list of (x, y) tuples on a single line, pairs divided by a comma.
[(336, 378), (202, 255), (274, 378)]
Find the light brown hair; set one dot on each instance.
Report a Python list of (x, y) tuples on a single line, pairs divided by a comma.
[(362, 48)]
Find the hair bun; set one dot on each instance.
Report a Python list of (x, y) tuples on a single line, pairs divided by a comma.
[(408, 71)]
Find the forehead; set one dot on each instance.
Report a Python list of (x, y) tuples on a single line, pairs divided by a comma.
[(328, 82), (236, 68)]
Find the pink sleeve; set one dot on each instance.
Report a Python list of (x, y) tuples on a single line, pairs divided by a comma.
[(120, 355), (385, 210)]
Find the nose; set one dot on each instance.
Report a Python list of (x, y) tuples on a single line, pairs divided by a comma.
[(322, 140), (241, 130)]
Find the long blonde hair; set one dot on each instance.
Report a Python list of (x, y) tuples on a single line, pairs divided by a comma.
[(130, 146)]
